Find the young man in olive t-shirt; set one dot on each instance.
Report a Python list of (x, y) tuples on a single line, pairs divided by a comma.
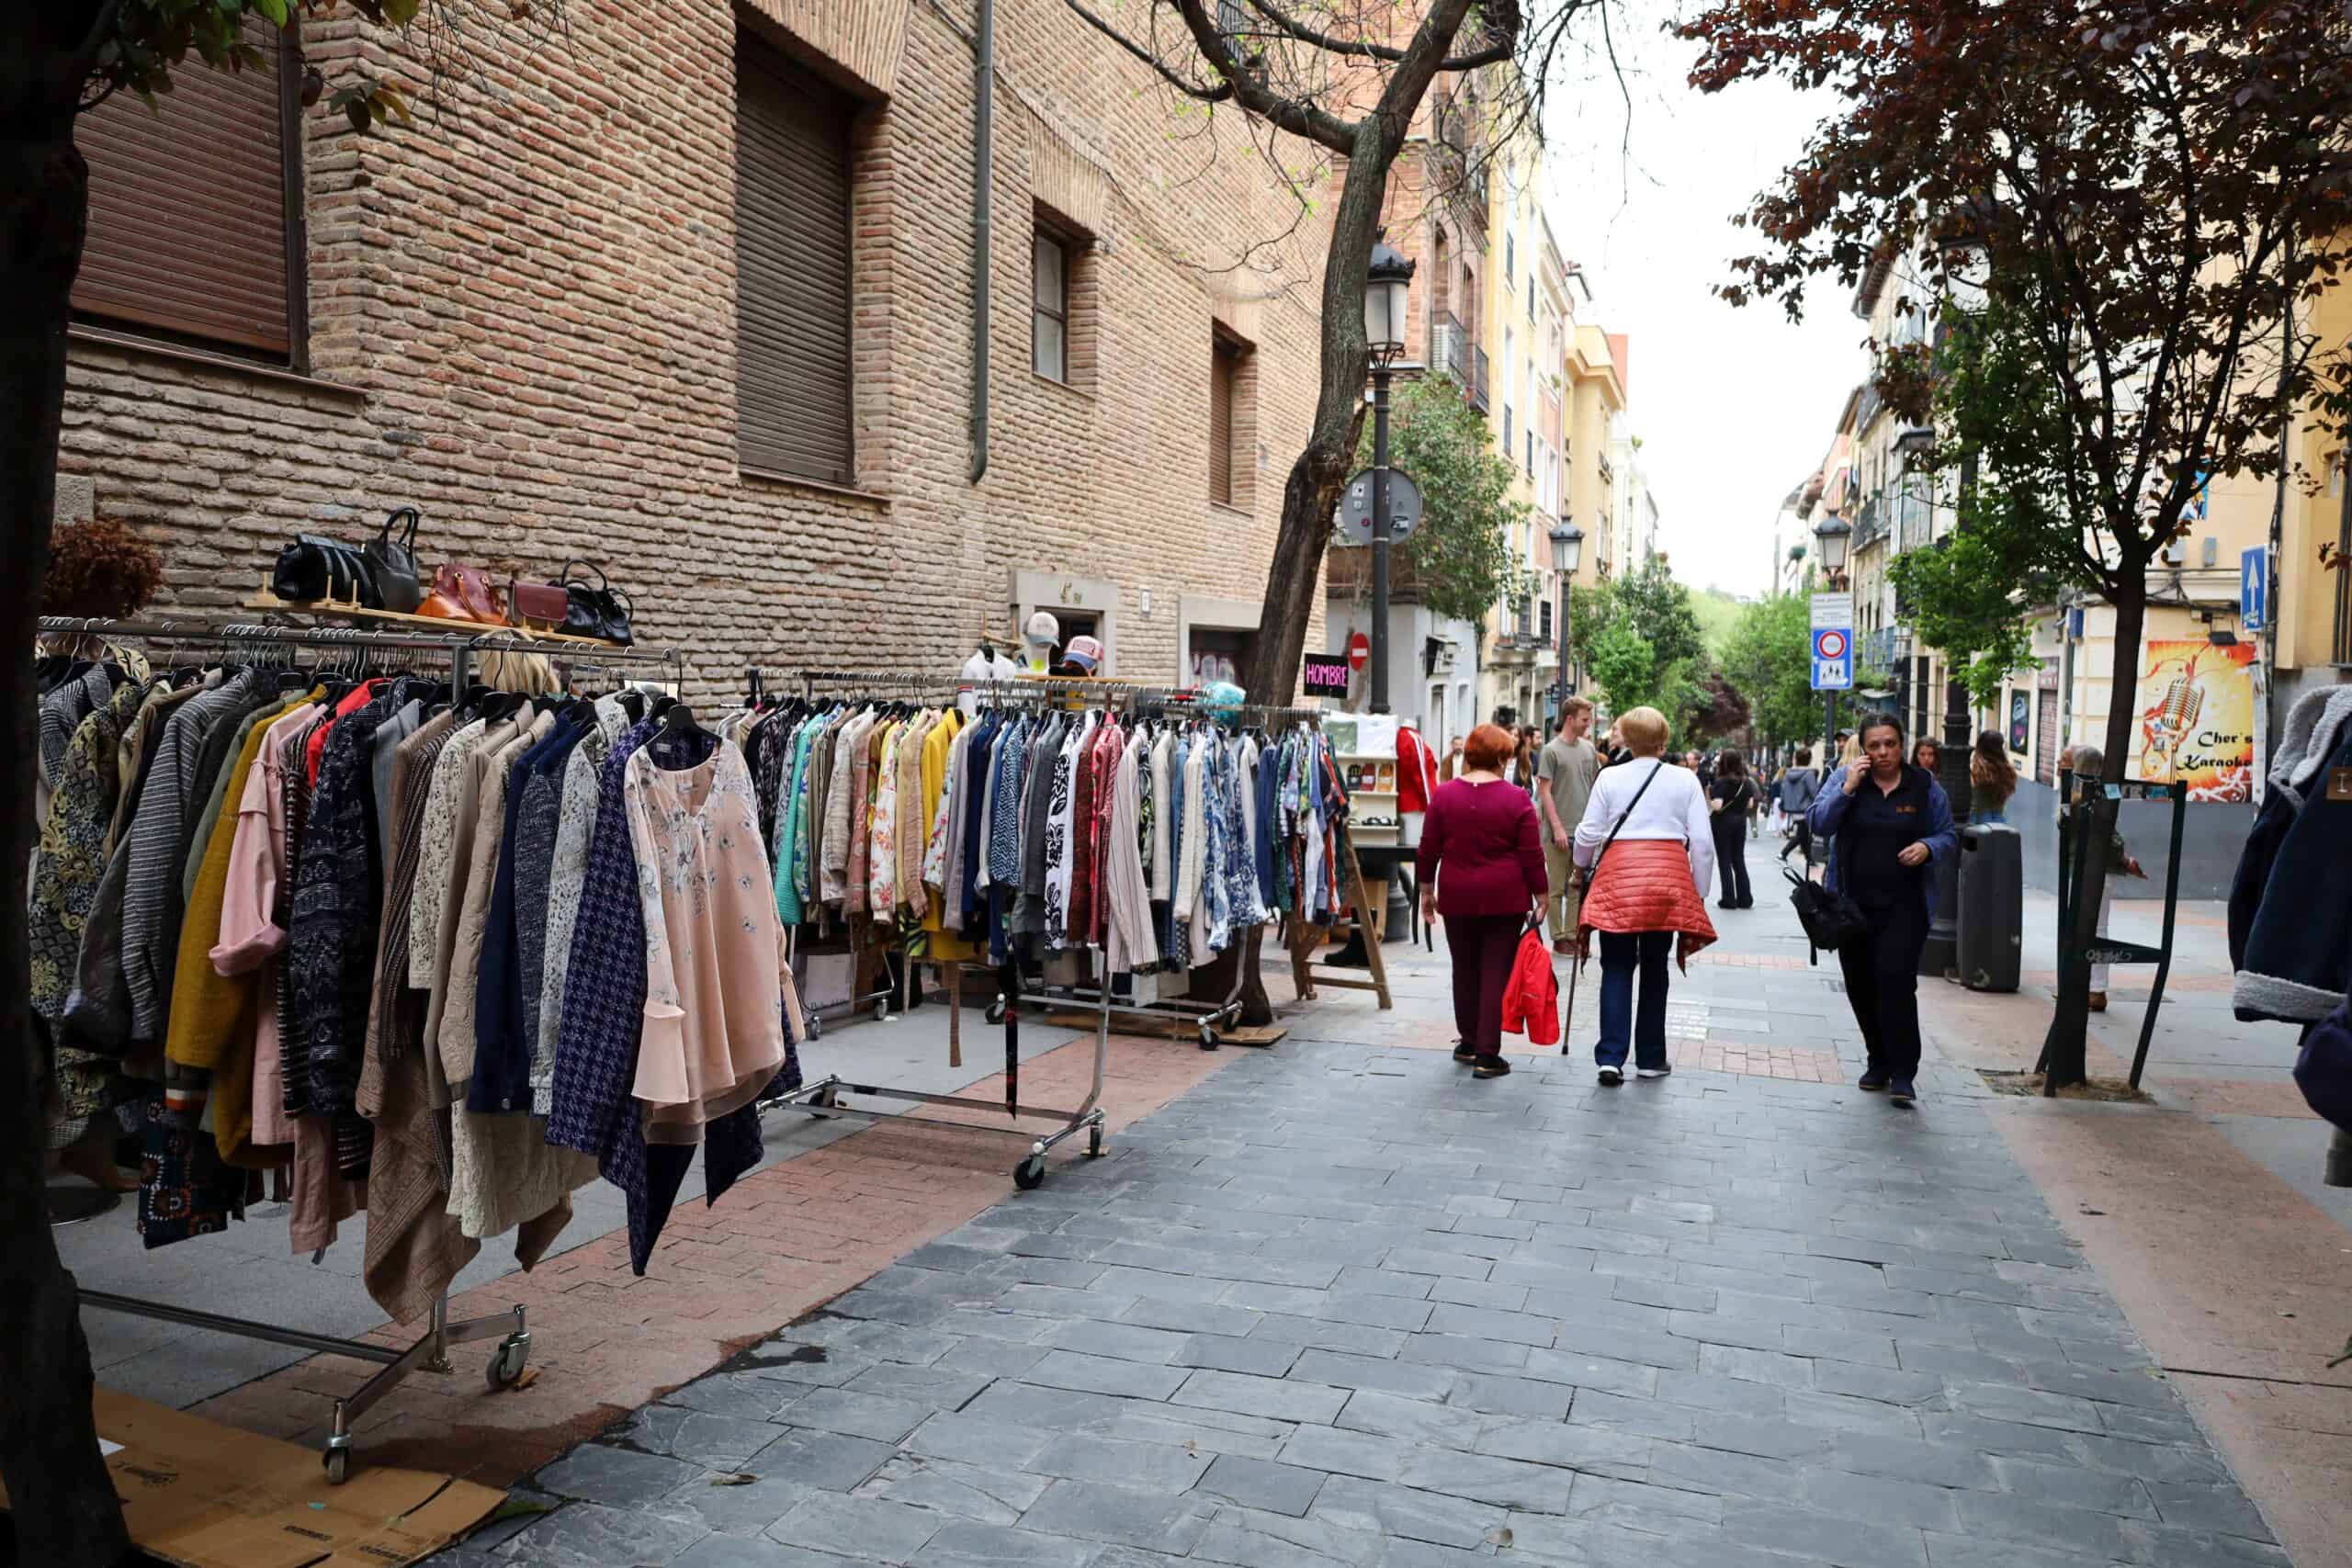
[(1563, 783)]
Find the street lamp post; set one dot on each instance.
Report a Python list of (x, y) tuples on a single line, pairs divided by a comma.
[(1568, 549), (1387, 284), (1834, 534)]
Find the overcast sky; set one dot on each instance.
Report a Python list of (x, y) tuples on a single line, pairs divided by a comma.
[(1733, 406)]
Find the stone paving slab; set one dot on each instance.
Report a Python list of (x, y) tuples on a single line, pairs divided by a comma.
[(1340, 1303)]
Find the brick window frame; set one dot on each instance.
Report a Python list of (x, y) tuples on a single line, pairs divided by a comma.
[(1232, 428), (1082, 297)]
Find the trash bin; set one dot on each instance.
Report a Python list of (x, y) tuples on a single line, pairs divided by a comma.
[(1992, 907)]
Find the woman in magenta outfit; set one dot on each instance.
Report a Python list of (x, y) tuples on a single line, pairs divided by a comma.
[(1481, 870)]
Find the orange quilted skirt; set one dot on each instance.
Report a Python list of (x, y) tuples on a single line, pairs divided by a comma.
[(1644, 885)]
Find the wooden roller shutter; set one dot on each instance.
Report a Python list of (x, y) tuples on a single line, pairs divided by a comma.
[(792, 293), (187, 207), (1221, 363)]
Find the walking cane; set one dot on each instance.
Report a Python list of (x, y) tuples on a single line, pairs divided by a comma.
[(1576, 966)]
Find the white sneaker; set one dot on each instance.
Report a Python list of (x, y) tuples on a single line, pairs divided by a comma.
[(1611, 1076), (1652, 1072)]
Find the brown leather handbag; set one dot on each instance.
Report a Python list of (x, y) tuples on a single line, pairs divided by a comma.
[(463, 593), (540, 605)]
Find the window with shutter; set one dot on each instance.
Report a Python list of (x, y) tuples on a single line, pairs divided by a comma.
[(1222, 362), (792, 276), (190, 232)]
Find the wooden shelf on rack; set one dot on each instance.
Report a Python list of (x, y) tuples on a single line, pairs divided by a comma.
[(271, 604)]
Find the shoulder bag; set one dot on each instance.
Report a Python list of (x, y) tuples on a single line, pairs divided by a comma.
[(1830, 919), (1586, 873), (313, 571), (393, 562), (594, 609)]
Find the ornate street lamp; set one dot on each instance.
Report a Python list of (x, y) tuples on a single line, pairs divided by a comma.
[(1567, 550), (1386, 286), (1835, 533)]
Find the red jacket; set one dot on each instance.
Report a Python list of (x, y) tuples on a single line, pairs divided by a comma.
[(1644, 885), (1415, 772), (1531, 1000)]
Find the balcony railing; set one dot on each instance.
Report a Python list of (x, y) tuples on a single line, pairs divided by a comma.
[(1449, 347), (1477, 385)]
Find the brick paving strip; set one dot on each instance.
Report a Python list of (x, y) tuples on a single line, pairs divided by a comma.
[(1341, 1304)]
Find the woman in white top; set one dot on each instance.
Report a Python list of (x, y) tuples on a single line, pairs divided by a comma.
[(1644, 891)]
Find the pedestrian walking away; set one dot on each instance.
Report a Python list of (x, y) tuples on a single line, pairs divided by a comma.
[(1799, 786), (1481, 871), (1729, 800), (1565, 773), (1992, 779), (1648, 850), (1887, 819)]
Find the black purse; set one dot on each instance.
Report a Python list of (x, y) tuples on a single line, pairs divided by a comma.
[(597, 610), (314, 569), (1830, 919), (393, 562)]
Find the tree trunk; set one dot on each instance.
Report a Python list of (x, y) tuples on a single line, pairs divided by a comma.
[(1313, 488), (2065, 1052), (64, 1500)]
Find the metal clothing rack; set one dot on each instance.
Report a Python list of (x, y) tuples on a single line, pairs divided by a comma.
[(429, 1352), (828, 1096)]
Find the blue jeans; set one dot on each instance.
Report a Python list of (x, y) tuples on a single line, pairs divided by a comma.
[(1620, 953)]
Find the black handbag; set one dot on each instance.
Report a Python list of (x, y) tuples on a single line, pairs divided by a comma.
[(313, 569), (393, 562), (1830, 919), (594, 609)]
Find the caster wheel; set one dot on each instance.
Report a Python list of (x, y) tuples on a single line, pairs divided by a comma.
[(995, 1011), (1209, 1041), (1094, 1143), (1030, 1173), (815, 1023), (506, 1364), (338, 1465)]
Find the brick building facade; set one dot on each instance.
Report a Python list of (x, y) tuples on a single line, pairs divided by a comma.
[(524, 317)]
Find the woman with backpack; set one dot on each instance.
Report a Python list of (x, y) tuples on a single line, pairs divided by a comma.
[(1729, 800), (1887, 819)]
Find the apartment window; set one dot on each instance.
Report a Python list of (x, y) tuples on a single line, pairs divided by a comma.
[(1511, 255), (195, 208), (1546, 617), (1507, 444), (1531, 454), (1233, 419), (1049, 305), (791, 269)]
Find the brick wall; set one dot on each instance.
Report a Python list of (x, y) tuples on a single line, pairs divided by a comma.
[(523, 320)]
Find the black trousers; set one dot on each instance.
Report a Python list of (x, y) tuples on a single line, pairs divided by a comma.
[(1731, 859), (1882, 983), (1483, 948)]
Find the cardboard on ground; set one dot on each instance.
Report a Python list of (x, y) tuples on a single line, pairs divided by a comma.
[(205, 1496)]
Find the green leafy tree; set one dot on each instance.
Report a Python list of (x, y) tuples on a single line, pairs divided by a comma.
[(58, 60), (1649, 601), (1459, 556), (1769, 659), (2147, 188), (1624, 666)]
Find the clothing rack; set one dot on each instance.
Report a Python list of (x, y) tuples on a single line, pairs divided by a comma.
[(429, 1352), (828, 1096)]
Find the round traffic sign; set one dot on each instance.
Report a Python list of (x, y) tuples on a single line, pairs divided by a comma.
[(1359, 651), (1830, 644)]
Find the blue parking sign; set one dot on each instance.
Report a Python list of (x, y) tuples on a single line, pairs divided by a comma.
[(1833, 659)]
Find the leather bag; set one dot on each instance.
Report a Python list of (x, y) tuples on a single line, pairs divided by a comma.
[(541, 604), (312, 569), (463, 593), (1830, 919), (595, 609), (393, 562)]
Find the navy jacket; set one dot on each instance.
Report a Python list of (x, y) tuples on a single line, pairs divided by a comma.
[(1830, 807)]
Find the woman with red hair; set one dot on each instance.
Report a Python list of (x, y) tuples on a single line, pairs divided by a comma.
[(1481, 869)]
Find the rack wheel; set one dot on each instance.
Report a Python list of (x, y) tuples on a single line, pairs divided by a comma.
[(338, 1465), (1209, 1038), (995, 1011), (506, 1364), (1094, 1143), (1030, 1173)]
